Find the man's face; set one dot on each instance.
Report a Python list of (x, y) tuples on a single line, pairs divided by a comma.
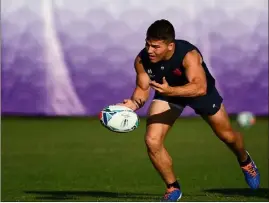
[(158, 49)]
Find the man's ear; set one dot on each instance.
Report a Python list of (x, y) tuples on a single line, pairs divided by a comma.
[(171, 46)]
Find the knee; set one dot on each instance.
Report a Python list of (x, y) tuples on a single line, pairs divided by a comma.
[(153, 142)]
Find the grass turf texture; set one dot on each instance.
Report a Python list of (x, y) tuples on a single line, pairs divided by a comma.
[(76, 159)]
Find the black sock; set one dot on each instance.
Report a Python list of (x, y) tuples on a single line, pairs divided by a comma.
[(244, 163), (175, 185)]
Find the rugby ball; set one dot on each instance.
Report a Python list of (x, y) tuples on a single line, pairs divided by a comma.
[(246, 119), (119, 119)]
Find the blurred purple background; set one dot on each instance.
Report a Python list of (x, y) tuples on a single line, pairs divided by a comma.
[(74, 57)]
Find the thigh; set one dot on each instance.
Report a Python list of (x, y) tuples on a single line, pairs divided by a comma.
[(219, 122), (161, 116)]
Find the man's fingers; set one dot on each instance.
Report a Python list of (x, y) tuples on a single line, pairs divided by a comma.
[(157, 89), (155, 84)]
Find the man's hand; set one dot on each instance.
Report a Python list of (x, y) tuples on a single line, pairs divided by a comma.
[(163, 89), (129, 103)]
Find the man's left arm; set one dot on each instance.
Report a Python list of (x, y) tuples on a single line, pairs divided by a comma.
[(195, 74)]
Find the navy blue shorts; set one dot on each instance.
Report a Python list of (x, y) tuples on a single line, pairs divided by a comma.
[(208, 104)]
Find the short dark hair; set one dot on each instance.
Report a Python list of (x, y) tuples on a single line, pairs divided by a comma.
[(161, 30)]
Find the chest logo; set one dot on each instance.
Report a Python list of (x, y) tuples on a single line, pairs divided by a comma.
[(177, 72), (150, 73)]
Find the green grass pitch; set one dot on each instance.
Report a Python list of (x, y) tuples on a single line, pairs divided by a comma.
[(76, 159)]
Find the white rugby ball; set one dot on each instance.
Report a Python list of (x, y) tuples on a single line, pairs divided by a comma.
[(246, 119), (119, 119)]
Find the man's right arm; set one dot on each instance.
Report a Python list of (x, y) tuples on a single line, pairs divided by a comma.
[(141, 92)]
